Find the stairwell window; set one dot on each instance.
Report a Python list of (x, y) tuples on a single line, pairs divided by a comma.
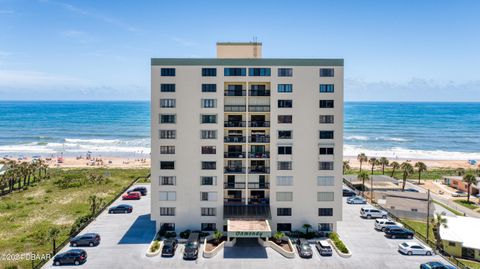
[(168, 134), (208, 181), (325, 181), (284, 180), (167, 165), (167, 103), (284, 211), (208, 134), (285, 72), (209, 149), (325, 196), (168, 118), (286, 196), (326, 119), (327, 72), (209, 87), (208, 211), (234, 72), (167, 149), (325, 166), (167, 211), (259, 72), (208, 196), (284, 88), (208, 118), (285, 103), (284, 118), (168, 180), (209, 103), (209, 165), (325, 212), (326, 134), (326, 88), (167, 87), (167, 72), (326, 103), (284, 134), (167, 195), (209, 72), (284, 166)]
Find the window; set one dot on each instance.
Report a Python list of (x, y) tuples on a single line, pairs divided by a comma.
[(167, 165), (164, 87), (233, 71), (208, 226), (281, 88), (284, 103), (325, 166), (167, 103), (208, 211), (167, 72), (326, 134), (414, 210), (284, 211), (325, 196), (209, 87), (168, 118), (209, 165), (167, 195), (325, 227), (284, 165), (326, 151), (167, 211), (451, 244), (285, 72), (209, 150), (285, 150), (208, 134), (326, 119), (259, 72), (325, 181), (209, 103), (208, 181), (284, 118), (167, 149), (208, 196), (284, 134), (168, 181), (325, 212), (326, 88), (284, 196), (326, 72), (168, 134), (284, 180), (284, 227), (208, 118), (326, 103), (209, 72), (167, 227)]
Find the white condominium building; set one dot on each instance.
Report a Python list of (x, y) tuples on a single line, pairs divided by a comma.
[(242, 141)]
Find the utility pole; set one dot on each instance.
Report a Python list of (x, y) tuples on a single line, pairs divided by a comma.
[(371, 189), (428, 215)]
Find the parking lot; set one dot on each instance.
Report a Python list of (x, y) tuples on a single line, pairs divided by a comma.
[(125, 238)]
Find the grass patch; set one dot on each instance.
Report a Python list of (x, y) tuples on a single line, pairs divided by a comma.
[(470, 264), (470, 205), (458, 213), (27, 216), (420, 228), (433, 173), (338, 243)]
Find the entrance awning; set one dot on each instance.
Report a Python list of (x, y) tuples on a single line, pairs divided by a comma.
[(253, 212), (248, 228)]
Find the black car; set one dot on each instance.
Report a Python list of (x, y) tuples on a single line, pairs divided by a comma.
[(191, 247), (411, 190), (169, 247), (123, 208), (73, 256), (303, 248), (436, 265), (88, 239), (399, 233), (348, 193), (142, 190)]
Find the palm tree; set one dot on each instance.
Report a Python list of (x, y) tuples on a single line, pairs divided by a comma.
[(217, 235), (53, 234), (460, 171), (373, 161), (95, 204), (346, 166), (383, 162), (278, 237), (407, 171), (394, 166), (470, 179), (421, 167), (306, 226), (363, 175), (362, 158), (438, 222)]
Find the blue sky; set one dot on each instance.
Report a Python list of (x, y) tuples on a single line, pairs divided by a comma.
[(425, 50)]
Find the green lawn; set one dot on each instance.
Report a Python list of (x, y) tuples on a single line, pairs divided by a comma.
[(458, 213), (466, 204), (470, 264), (434, 173), (420, 228), (26, 216)]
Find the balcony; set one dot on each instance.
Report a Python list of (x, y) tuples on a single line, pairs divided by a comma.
[(234, 201), (234, 170), (234, 92), (259, 124), (230, 154), (259, 139), (259, 155), (234, 108), (259, 108), (254, 211), (259, 169), (258, 201), (259, 92), (257, 185), (234, 139), (233, 124), (234, 185)]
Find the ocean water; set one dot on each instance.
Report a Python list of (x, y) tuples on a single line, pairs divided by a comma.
[(402, 130)]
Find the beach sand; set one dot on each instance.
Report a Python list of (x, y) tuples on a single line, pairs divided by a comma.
[(354, 163)]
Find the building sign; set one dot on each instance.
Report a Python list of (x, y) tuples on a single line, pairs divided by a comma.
[(249, 234)]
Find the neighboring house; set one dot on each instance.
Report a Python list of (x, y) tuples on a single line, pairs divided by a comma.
[(3, 169), (461, 237), (457, 183), (410, 205)]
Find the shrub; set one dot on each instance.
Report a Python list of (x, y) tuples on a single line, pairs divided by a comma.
[(185, 234), (338, 243), (155, 246), (170, 234), (78, 224)]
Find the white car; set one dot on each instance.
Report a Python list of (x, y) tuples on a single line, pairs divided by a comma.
[(459, 194), (371, 212), (356, 200), (380, 224), (413, 248)]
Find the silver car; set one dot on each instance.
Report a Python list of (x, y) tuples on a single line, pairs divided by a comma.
[(324, 248)]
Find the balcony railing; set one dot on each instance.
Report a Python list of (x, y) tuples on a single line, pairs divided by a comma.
[(234, 92), (258, 108), (234, 139), (259, 92), (234, 201), (257, 185), (234, 185), (259, 139), (234, 170), (256, 201), (259, 155), (259, 170), (234, 123), (234, 154), (259, 124), (234, 108)]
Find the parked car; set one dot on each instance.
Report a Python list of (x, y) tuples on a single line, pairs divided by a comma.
[(191, 247), (142, 190), (413, 248), (123, 208), (356, 200), (88, 239), (399, 233), (72, 256), (380, 224), (348, 193), (436, 265), (169, 247), (324, 248), (459, 194), (303, 248), (389, 227), (134, 195), (371, 212), (411, 190)]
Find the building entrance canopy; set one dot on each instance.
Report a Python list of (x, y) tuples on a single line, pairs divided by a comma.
[(248, 228)]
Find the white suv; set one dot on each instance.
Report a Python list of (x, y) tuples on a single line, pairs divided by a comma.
[(380, 224), (370, 212)]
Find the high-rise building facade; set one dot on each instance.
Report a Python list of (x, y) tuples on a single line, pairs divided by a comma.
[(240, 137)]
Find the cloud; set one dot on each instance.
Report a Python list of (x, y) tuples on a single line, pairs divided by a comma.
[(18, 79)]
